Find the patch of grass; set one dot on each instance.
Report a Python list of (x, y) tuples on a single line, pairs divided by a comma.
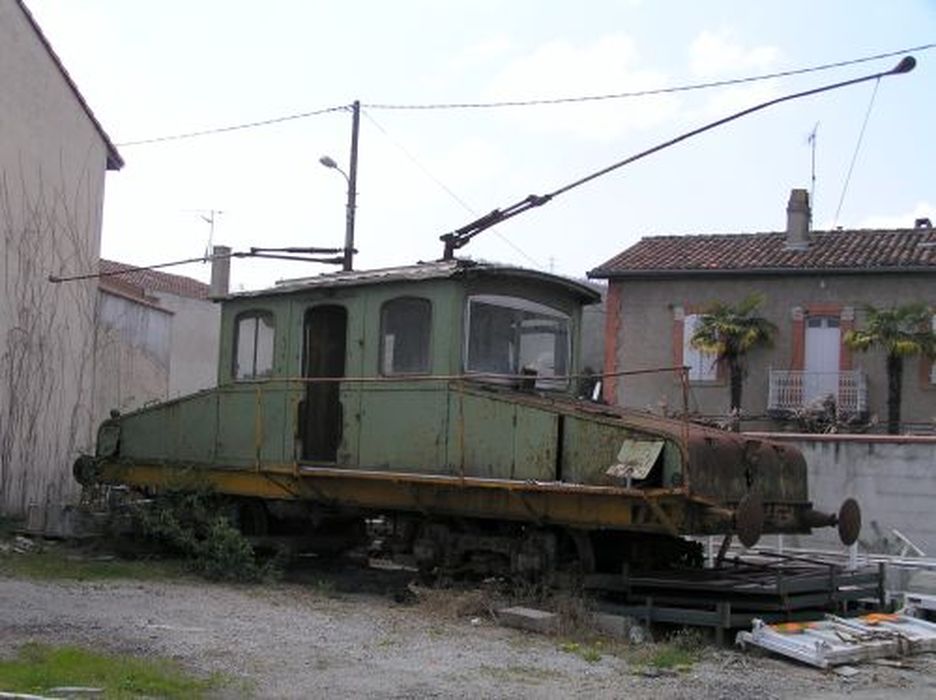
[(533, 675), (679, 652), (590, 652), (38, 668), (668, 656), (57, 564)]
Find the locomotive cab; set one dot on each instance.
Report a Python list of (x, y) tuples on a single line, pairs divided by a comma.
[(362, 366)]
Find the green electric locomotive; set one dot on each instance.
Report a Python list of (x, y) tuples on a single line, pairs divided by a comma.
[(444, 397)]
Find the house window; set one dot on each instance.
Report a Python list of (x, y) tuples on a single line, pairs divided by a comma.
[(253, 345), (702, 365), (405, 329), (507, 335)]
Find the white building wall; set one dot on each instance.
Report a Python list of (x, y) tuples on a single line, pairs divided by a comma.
[(891, 477), (133, 350), (196, 327), (52, 165)]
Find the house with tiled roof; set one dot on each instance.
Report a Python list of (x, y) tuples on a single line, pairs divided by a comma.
[(157, 337), (816, 286), (54, 155)]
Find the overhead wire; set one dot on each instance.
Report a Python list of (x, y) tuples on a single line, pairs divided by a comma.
[(854, 158), (528, 103), (234, 127), (651, 91), (448, 190)]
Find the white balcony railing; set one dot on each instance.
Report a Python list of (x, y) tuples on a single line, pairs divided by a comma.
[(794, 389)]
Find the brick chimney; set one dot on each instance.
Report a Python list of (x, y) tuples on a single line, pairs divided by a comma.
[(798, 216)]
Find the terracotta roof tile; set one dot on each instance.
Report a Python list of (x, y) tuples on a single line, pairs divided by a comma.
[(862, 250), (154, 281)]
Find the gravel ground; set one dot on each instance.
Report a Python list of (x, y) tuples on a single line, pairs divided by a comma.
[(308, 640)]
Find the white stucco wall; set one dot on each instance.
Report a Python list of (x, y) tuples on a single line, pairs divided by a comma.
[(196, 327), (892, 478), (52, 166), (133, 350)]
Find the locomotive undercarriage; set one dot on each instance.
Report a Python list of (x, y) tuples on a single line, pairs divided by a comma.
[(463, 547)]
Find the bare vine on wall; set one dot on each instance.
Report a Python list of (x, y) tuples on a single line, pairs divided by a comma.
[(46, 336)]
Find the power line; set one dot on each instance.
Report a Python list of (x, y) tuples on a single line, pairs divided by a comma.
[(451, 193), (851, 166), (654, 91), (529, 103), (234, 127)]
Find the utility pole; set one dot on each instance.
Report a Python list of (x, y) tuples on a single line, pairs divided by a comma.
[(352, 186)]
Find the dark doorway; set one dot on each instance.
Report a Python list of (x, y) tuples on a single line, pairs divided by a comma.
[(324, 334)]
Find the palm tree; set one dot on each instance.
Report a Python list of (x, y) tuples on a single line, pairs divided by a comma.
[(901, 331), (729, 333)]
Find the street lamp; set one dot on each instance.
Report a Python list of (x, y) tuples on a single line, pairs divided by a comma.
[(351, 178), (330, 163)]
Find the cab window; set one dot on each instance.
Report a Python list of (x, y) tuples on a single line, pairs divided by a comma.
[(405, 330), (510, 335), (253, 345)]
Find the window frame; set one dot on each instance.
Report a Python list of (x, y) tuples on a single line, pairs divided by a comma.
[(256, 315), (697, 374), (382, 370), (559, 381)]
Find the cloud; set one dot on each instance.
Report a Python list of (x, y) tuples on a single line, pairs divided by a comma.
[(481, 53), (712, 55), (884, 221), (733, 99), (558, 69)]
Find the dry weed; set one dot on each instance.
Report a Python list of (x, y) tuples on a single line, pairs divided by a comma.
[(455, 604)]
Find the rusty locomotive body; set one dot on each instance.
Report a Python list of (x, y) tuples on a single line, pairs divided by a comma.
[(443, 396)]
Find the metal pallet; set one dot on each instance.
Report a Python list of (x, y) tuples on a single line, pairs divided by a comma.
[(835, 640), (733, 595)]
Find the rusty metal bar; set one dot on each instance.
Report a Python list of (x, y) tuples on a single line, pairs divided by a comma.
[(471, 376)]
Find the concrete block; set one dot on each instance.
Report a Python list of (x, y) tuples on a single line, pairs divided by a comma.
[(616, 626), (529, 619)]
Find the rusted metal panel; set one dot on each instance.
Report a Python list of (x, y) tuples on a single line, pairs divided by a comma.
[(250, 425), (535, 444), (480, 435), (193, 429), (589, 448), (403, 426), (143, 434)]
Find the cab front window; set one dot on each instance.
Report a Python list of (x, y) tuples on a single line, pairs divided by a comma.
[(511, 335)]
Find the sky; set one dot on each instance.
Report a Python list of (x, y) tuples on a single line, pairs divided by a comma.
[(153, 69)]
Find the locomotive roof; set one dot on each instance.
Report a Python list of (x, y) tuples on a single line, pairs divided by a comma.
[(424, 271)]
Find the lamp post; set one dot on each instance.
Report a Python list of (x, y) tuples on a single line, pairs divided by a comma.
[(351, 178)]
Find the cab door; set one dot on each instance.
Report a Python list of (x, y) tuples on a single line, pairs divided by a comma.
[(325, 330)]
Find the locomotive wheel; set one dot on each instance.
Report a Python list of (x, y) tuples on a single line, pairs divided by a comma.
[(849, 522), (749, 519), (584, 550)]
